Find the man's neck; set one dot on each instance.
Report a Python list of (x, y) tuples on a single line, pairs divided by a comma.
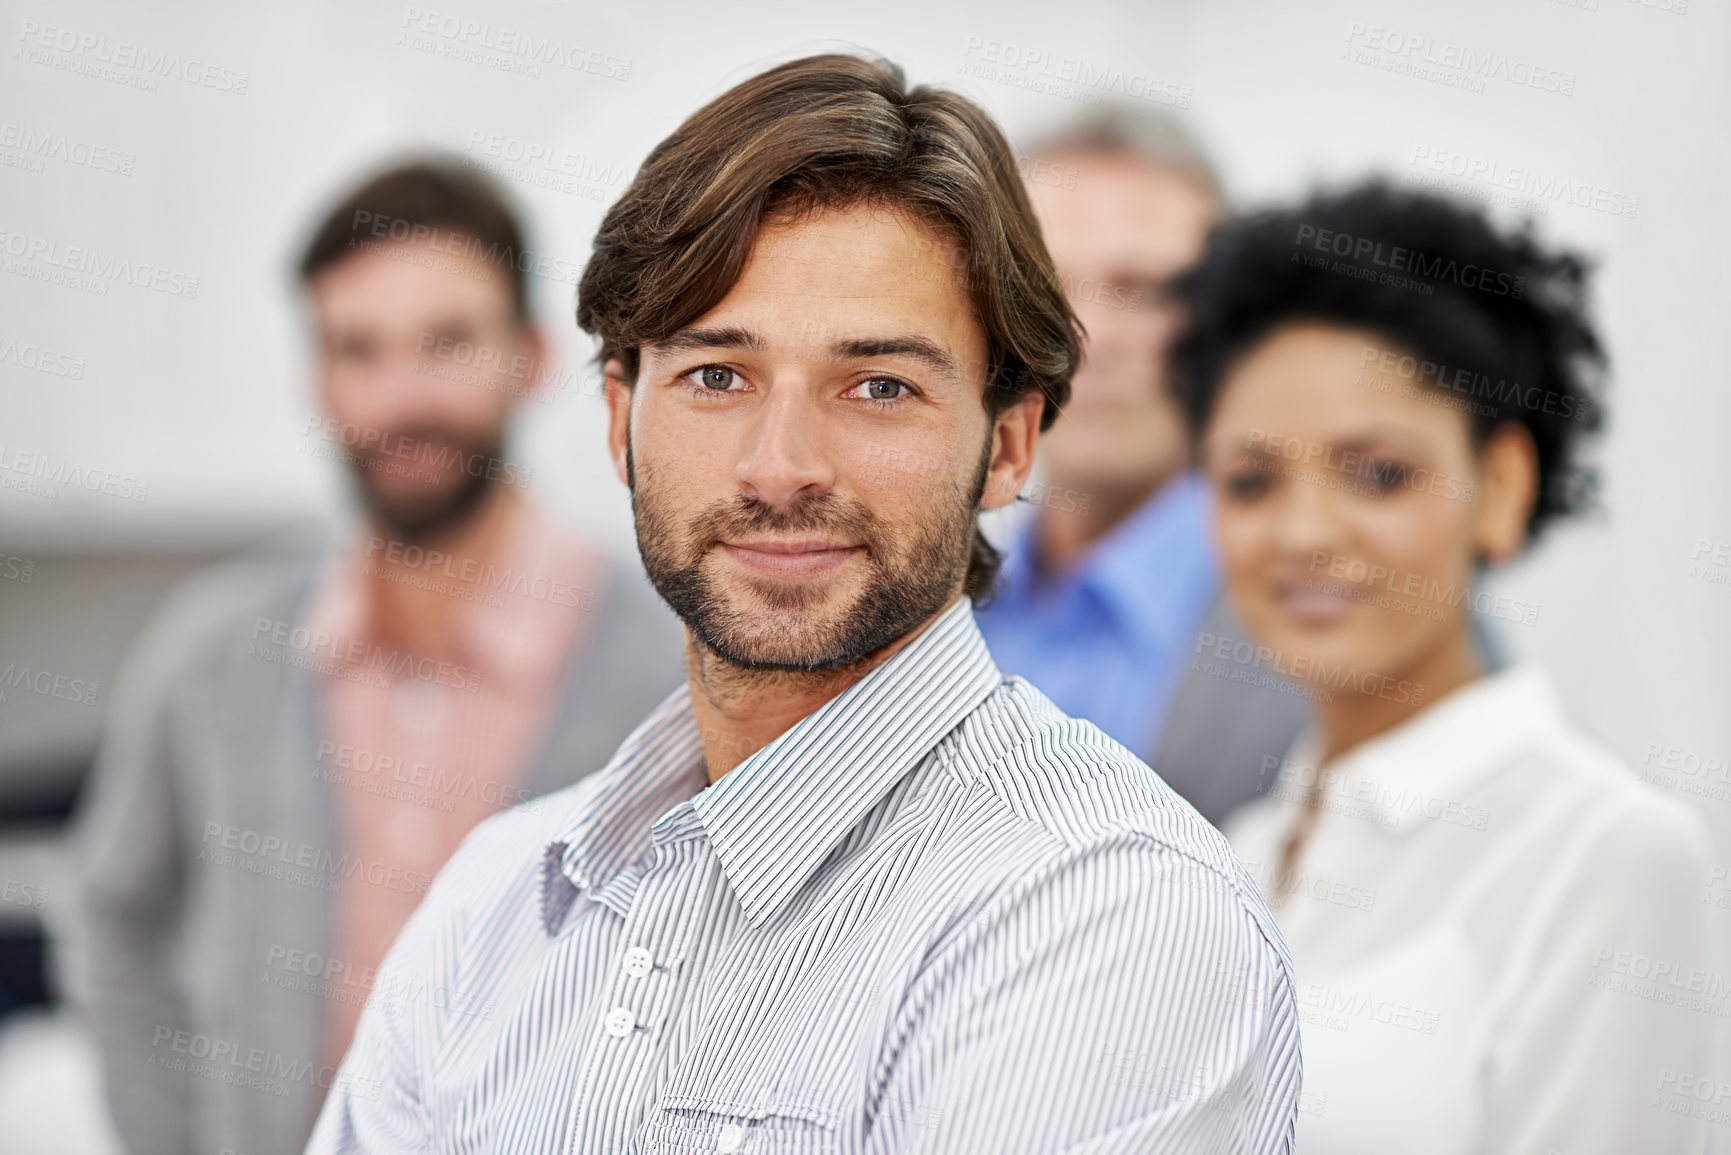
[(1062, 536), (416, 613), (740, 711)]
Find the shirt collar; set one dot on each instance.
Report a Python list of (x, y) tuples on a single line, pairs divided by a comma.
[(538, 592), (1155, 572), (1426, 767), (775, 817), (515, 628)]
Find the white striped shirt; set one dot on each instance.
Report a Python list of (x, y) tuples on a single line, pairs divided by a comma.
[(935, 915)]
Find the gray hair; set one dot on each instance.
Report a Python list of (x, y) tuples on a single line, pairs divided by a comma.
[(1118, 128)]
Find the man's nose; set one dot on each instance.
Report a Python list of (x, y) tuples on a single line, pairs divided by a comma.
[(410, 387), (786, 452)]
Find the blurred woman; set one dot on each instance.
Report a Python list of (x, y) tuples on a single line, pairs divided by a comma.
[(1497, 928)]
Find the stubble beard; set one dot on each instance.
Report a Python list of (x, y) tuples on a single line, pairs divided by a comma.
[(764, 625), (418, 519)]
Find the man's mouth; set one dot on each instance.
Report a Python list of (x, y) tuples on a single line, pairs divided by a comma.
[(790, 557)]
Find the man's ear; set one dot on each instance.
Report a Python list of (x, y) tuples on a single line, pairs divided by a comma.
[(1508, 488), (1013, 435), (618, 393)]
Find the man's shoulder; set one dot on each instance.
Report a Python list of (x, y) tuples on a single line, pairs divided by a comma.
[(1076, 788), (213, 609), (1079, 815)]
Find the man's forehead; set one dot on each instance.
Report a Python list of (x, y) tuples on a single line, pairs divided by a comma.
[(850, 252), (861, 282), (388, 276), (1115, 204)]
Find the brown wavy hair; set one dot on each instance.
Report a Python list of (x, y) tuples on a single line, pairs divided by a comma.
[(828, 132)]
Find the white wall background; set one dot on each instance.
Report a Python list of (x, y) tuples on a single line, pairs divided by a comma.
[(205, 398)]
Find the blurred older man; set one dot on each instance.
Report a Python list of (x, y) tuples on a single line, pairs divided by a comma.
[(303, 737), (1109, 597)]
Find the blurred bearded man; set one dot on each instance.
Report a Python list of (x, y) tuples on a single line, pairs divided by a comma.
[(849, 888), (304, 737)]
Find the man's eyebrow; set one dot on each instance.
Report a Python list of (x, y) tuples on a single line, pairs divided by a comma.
[(722, 337), (919, 348), (859, 349)]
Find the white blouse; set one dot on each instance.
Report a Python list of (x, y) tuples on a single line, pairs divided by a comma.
[(1499, 938)]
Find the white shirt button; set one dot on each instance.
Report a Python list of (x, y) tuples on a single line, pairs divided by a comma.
[(638, 962), (620, 1022), (730, 1139)]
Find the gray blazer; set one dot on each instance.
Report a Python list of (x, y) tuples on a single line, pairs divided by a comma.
[(1221, 733), (205, 850)]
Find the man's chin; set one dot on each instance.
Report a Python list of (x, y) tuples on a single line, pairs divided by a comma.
[(420, 516), (776, 624), (785, 608), (826, 596)]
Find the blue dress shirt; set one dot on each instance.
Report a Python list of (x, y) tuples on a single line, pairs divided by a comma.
[(1110, 638)]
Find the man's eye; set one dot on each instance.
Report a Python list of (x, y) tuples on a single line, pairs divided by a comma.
[(357, 350), (1155, 295), (883, 389), (718, 378)]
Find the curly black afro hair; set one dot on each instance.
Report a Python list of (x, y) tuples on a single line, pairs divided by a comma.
[(1489, 316)]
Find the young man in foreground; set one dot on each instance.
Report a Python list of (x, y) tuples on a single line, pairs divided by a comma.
[(848, 889)]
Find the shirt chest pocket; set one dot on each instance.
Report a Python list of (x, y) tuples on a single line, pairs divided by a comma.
[(737, 1126), (780, 1064)]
